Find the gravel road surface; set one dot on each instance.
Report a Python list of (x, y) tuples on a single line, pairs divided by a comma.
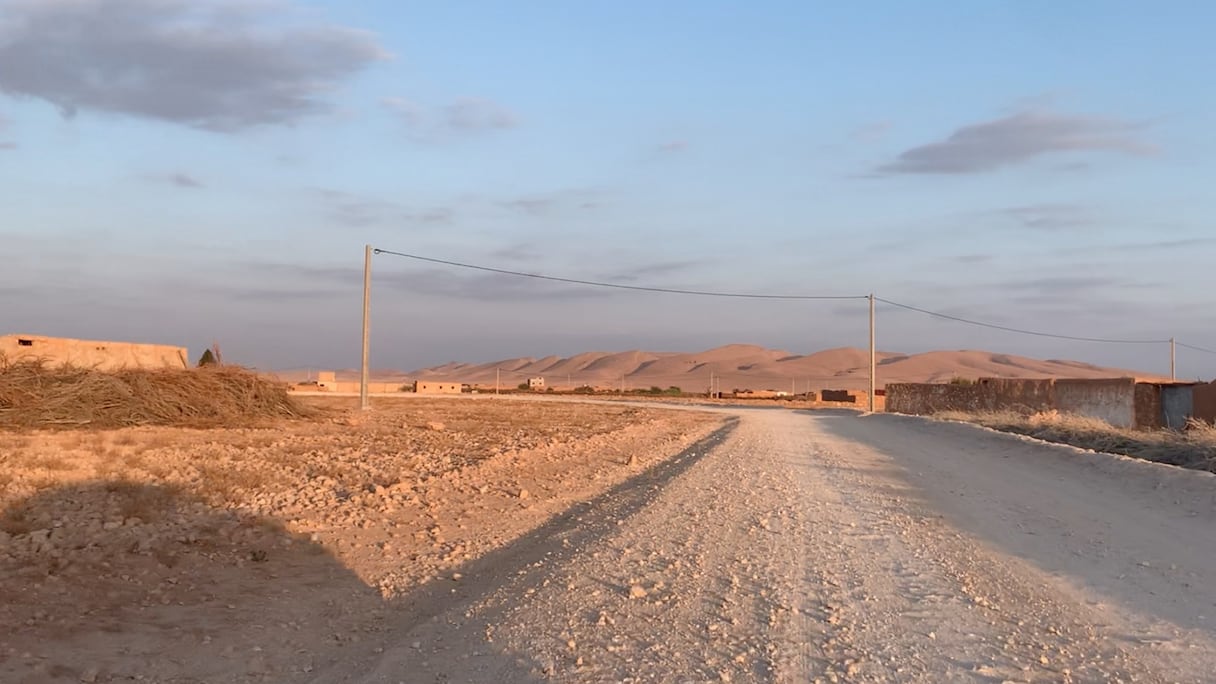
[(825, 546)]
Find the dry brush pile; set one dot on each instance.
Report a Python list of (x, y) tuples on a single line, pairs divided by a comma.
[(34, 394), (1194, 447)]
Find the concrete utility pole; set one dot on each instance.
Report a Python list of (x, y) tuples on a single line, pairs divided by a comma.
[(364, 400), (1173, 356), (873, 356), (497, 378)]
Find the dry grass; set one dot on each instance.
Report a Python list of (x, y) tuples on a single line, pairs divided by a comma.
[(1193, 448), (137, 500), (36, 395)]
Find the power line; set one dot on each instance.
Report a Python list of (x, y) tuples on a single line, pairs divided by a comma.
[(618, 286), (1199, 349), (752, 295), (1021, 331)]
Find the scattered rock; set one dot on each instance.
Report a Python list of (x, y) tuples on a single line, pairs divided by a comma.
[(436, 426), (636, 591)]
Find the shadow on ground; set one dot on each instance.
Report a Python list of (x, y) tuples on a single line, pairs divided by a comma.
[(116, 581), (443, 646)]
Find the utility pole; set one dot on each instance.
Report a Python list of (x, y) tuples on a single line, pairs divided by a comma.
[(1173, 356), (793, 390), (497, 378), (622, 384), (364, 400), (873, 355), (711, 384)]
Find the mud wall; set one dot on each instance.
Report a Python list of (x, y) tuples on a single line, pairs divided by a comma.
[(1203, 402), (103, 355), (1148, 408), (432, 387)]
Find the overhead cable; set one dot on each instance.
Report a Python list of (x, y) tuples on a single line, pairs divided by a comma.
[(756, 295), (1198, 349), (1020, 331), (617, 286)]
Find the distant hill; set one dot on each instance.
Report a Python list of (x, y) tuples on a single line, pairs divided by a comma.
[(742, 366)]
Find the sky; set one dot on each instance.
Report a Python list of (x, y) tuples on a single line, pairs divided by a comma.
[(188, 172)]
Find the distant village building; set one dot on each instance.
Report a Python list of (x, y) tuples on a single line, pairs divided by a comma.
[(536, 383), (436, 387), (327, 381), (102, 355), (843, 396), (759, 394)]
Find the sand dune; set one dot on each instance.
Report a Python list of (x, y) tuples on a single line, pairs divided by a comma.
[(749, 366), (741, 366)]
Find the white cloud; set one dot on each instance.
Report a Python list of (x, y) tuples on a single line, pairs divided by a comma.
[(1017, 138)]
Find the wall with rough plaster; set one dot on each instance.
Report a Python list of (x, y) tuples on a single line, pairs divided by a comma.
[(1112, 400), (100, 354), (1118, 401), (434, 387)]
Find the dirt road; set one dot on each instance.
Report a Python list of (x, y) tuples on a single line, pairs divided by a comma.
[(798, 547)]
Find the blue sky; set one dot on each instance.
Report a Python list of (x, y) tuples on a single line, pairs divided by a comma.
[(183, 172)]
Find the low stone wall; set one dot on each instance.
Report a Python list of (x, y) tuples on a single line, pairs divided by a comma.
[(1118, 401), (1113, 400), (925, 398), (1029, 396)]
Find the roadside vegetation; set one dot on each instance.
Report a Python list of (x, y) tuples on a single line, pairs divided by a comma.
[(1194, 447)]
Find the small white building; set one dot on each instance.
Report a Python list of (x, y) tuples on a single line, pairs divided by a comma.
[(536, 383)]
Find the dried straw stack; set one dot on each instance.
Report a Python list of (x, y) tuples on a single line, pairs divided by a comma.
[(34, 394)]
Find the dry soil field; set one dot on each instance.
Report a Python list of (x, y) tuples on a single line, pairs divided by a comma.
[(178, 555), (533, 541)]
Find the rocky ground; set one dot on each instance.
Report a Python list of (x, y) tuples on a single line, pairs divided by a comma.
[(521, 540), (174, 555), (827, 547)]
